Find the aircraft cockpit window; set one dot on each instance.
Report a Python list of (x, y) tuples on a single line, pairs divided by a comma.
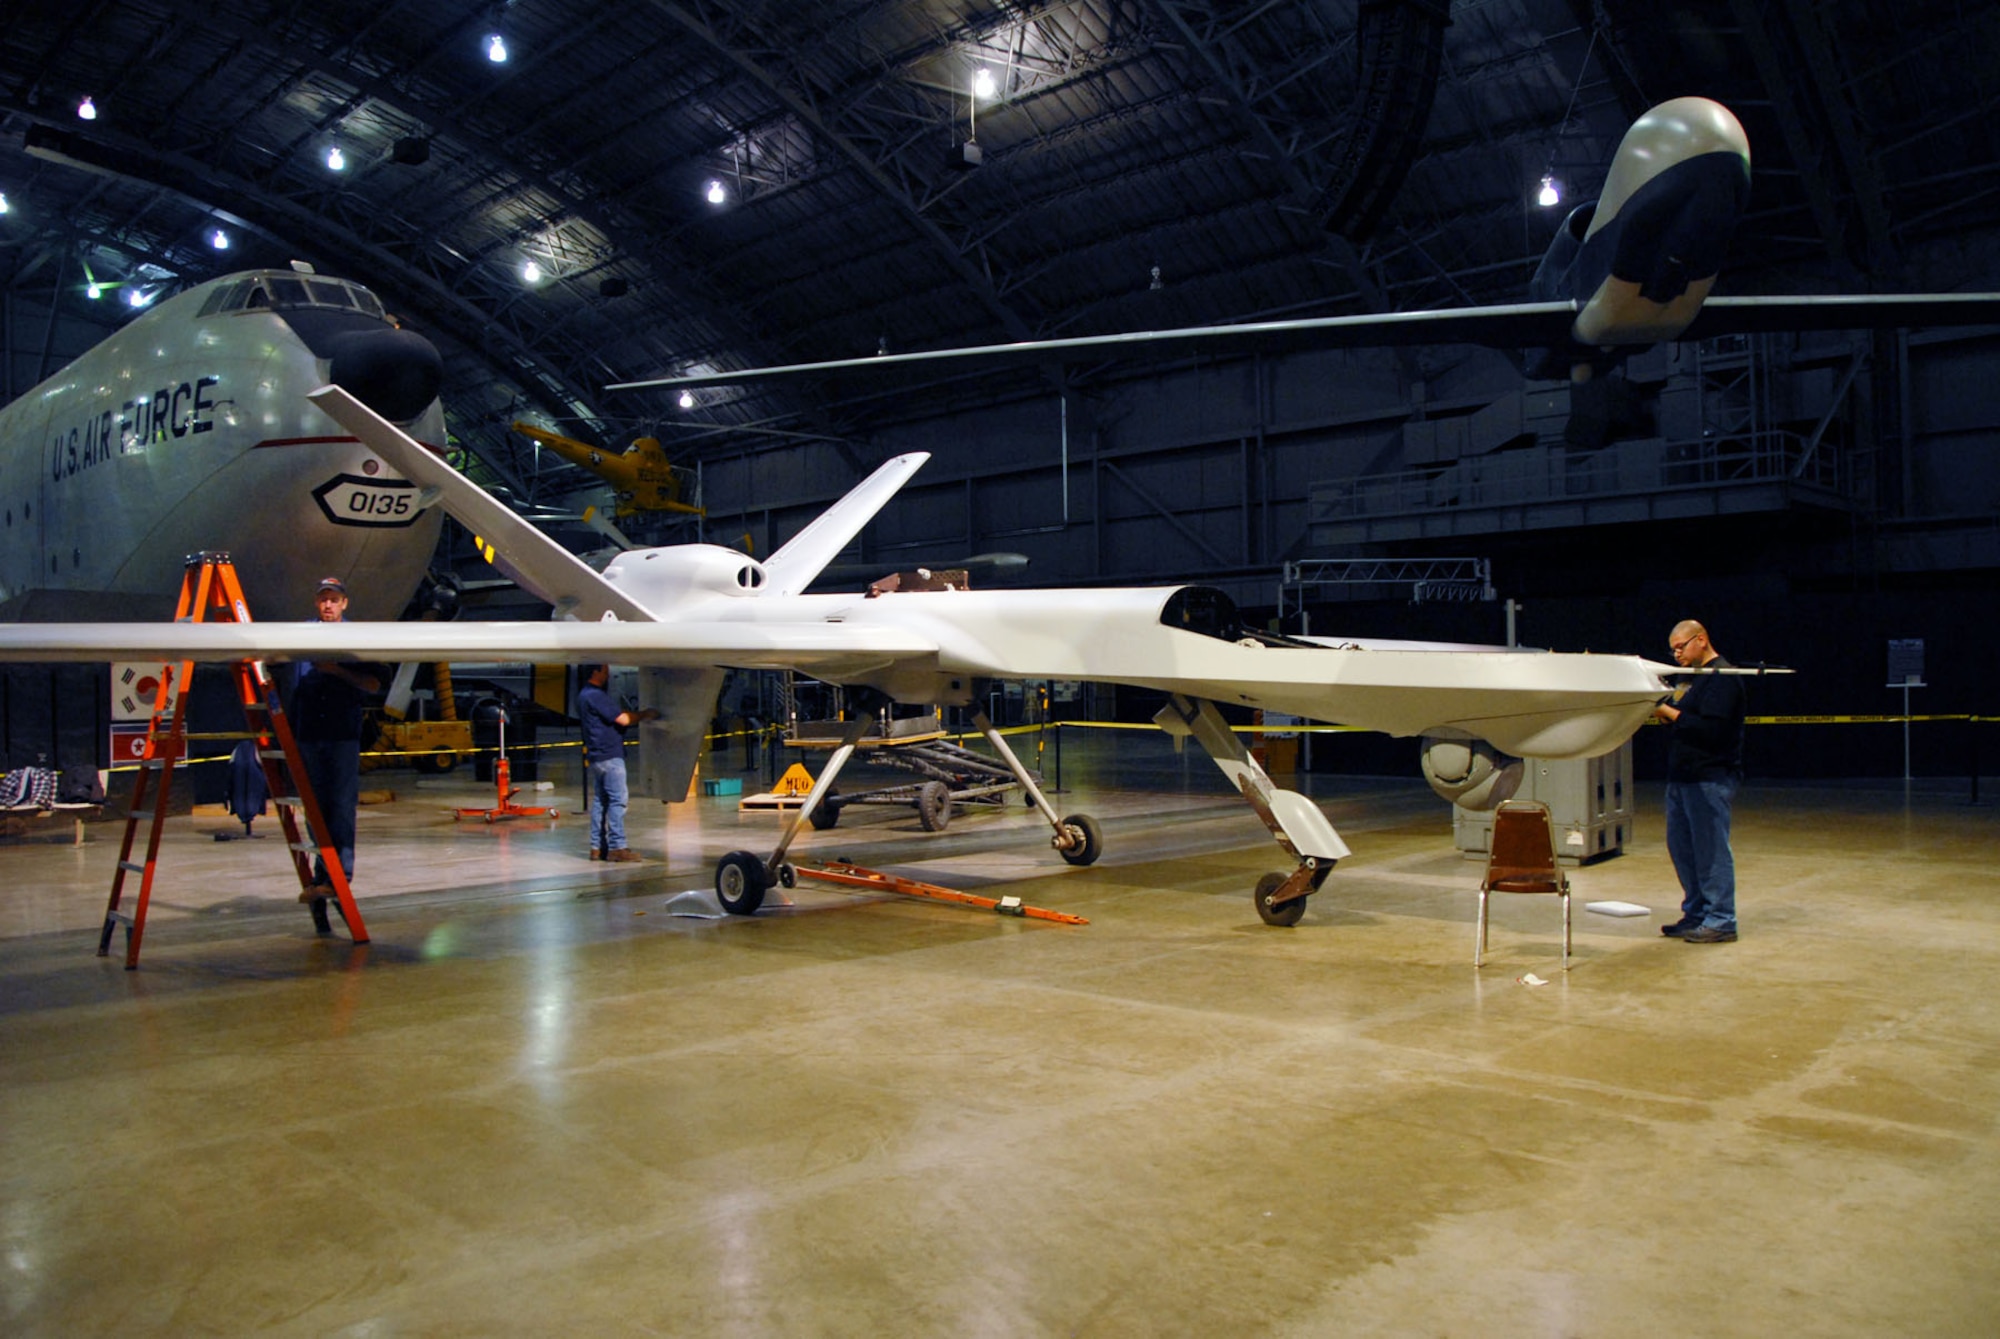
[(1207, 611), (266, 292), (326, 293), (1202, 609), (225, 298), (286, 293)]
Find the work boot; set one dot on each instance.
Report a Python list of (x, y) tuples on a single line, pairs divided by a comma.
[(1710, 934), (624, 855)]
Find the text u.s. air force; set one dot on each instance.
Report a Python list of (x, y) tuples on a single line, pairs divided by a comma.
[(144, 420)]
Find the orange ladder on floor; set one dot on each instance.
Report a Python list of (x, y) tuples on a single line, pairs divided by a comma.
[(211, 593)]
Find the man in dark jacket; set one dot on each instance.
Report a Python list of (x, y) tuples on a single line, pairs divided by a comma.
[(1704, 768), (327, 699)]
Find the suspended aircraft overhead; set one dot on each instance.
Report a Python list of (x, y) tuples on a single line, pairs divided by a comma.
[(1628, 270)]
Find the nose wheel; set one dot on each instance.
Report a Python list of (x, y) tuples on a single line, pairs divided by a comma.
[(740, 883), (1079, 840), (742, 879), (1281, 898), (1277, 913)]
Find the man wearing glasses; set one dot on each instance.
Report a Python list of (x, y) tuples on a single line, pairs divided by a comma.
[(1704, 768)]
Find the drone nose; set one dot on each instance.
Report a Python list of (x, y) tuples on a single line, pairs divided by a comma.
[(396, 373)]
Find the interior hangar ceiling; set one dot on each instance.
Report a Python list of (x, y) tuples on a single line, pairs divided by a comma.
[(1143, 164)]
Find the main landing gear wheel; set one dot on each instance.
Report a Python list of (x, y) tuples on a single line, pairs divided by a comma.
[(1086, 841), (740, 882), (934, 805), (1284, 913)]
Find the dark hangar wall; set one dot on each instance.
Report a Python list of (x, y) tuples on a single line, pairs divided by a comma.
[(1810, 500)]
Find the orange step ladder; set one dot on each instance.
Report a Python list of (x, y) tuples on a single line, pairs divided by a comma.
[(211, 593)]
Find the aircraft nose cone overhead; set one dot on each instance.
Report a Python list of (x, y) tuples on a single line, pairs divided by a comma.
[(396, 373)]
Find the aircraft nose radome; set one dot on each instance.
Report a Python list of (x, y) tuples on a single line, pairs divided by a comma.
[(396, 373)]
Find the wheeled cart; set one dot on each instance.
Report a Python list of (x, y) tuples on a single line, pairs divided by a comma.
[(952, 775)]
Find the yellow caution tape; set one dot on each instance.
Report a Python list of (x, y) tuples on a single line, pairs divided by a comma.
[(1068, 725), (1266, 729), (1848, 720)]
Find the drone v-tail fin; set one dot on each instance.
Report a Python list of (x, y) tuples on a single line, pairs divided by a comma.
[(792, 568)]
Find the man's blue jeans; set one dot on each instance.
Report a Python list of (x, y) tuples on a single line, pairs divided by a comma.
[(607, 805), (333, 769), (1698, 841)]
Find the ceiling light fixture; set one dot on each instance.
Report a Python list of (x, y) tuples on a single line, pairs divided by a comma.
[(687, 399), (4, 206), (531, 272), (982, 83), (966, 156), (86, 110), (496, 48), (93, 290), (138, 297), (716, 194), (1549, 196), (219, 240), (336, 161)]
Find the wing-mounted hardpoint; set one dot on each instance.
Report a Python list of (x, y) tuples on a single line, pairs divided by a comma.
[(670, 746)]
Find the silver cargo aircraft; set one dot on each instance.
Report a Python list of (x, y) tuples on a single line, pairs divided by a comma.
[(189, 430)]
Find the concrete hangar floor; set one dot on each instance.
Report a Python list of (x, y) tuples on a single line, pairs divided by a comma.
[(538, 1103)]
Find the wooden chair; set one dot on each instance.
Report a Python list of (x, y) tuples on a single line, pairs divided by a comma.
[(1522, 860)]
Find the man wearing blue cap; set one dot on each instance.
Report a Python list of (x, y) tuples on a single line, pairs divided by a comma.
[(327, 698)]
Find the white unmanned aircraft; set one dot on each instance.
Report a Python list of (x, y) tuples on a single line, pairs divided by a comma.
[(1630, 269), (189, 429), (687, 613)]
